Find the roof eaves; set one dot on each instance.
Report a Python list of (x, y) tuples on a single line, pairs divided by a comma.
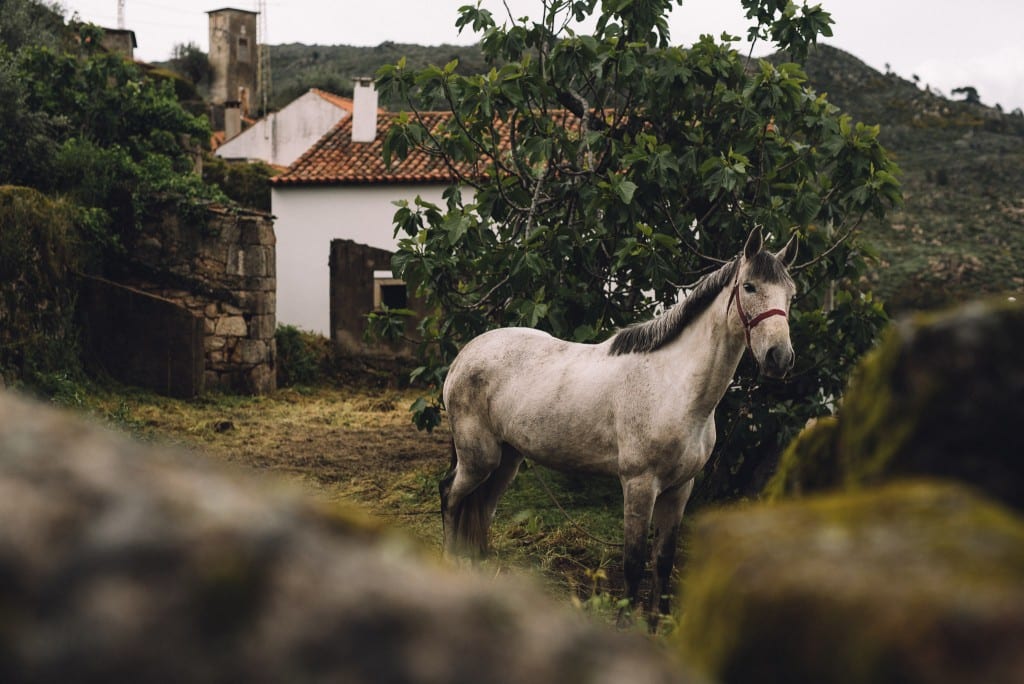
[(336, 100)]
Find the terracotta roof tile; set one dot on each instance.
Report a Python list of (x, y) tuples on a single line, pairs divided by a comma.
[(336, 160), (336, 100)]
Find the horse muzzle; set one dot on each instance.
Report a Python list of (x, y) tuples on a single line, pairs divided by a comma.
[(778, 361)]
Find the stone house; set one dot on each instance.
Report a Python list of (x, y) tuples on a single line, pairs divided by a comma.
[(121, 41)]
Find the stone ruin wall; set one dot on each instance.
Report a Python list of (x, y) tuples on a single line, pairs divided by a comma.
[(224, 273)]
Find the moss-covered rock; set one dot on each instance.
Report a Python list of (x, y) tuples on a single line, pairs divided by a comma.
[(808, 463), (911, 582), (942, 395)]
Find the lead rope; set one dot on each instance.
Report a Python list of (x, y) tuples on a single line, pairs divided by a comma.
[(720, 447), (568, 518)]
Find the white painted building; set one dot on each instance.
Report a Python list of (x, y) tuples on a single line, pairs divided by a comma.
[(282, 137), (307, 218), (340, 188)]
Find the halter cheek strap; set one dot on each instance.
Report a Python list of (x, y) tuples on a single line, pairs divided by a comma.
[(750, 323)]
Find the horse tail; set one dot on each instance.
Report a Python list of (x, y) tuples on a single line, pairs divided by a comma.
[(470, 515), (445, 485), (472, 523)]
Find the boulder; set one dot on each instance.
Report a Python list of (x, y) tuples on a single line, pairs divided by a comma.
[(942, 395), (122, 562), (911, 582)]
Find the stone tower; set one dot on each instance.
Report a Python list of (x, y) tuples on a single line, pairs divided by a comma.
[(234, 59)]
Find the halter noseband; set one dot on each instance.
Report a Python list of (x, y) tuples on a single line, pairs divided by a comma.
[(750, 323)]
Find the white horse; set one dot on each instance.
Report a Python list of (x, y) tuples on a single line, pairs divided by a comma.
[(639, 406)]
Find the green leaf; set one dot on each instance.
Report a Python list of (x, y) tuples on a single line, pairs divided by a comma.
[(456, 225), (625, 190)]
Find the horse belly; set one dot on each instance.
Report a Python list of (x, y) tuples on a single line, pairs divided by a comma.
[(560, 426), (569, 454)]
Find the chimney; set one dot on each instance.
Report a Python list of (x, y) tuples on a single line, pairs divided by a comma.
[(232, 119), (364, 110)]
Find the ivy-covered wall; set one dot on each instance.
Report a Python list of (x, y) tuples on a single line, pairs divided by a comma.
[(37, 255)]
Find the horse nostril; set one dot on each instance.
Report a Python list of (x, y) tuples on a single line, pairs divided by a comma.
[(779, 359)]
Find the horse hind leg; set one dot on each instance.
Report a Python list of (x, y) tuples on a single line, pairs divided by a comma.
[(444, 489), (499, 481), (464, 496)]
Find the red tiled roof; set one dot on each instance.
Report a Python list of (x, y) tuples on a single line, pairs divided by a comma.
[(336, 160), (336, 100)]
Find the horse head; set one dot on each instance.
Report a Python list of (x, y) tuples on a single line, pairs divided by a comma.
[(761, 294)]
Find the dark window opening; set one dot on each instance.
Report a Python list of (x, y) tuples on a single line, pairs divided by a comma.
[(394, 296)]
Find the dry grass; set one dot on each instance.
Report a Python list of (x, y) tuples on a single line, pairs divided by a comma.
[(359, 446)]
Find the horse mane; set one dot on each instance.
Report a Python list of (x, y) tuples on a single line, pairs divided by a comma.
[(649, 336)]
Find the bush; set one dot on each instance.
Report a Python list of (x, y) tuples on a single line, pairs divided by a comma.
[(244, 182), (301, 356), (37, 257)]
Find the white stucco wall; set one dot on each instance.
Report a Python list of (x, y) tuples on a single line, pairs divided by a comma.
[(281, 137), (308, 218)]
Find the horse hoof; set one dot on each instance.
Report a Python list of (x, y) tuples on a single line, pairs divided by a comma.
[(625, 618), (653, 622)]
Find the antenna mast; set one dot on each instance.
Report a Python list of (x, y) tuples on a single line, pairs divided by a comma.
[(263, 56), (120, 14)]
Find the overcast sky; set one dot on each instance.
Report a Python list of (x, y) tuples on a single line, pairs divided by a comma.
[(946, 43)]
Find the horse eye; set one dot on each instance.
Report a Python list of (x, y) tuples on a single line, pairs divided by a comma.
[(749, 287)]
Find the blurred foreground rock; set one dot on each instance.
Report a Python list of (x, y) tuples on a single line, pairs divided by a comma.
[(914, 582), (120, 562), (942, 395)]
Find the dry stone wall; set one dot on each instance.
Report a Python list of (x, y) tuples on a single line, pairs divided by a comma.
[(223, 271)]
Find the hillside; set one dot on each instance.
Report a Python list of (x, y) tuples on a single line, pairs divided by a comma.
[(961, 230), (297, 67)]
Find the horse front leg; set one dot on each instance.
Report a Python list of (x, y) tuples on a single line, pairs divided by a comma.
[(668, 516), (638, 505)]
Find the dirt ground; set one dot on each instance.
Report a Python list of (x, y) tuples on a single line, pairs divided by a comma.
[(360, 447), (357, 446)]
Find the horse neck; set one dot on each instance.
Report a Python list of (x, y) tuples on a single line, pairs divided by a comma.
[(712, 345)]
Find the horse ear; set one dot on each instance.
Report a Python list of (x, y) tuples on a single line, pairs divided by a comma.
[(787, 255), (754, 243)]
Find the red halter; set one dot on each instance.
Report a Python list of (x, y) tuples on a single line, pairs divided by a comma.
[(750, 323)]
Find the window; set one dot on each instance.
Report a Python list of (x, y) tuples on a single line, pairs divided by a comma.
[(243, 49), (393, 296), (389, 292)]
